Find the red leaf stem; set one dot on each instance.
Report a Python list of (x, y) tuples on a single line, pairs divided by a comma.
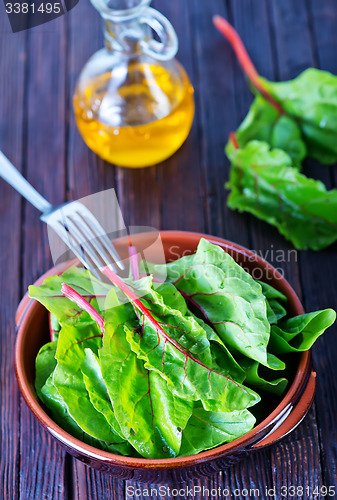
[(234, 140), (74, 296), (137, 302), (240, 50)]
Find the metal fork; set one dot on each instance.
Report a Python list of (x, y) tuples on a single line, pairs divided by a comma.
[(72, 221)]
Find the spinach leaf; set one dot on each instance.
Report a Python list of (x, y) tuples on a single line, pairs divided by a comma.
[(150, 416), (271, 293), (51, 397), (263, 182), (299, 333), (44, 367), (206, 429)]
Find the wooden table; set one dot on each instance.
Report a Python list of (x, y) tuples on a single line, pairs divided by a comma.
[(37, 131)]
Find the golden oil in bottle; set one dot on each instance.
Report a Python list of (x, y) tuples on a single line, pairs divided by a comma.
[(137, 115)]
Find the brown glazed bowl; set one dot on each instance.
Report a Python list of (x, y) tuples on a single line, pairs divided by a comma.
[(284, 416)]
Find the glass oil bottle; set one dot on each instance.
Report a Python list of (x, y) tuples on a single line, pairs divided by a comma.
[(133, 101)]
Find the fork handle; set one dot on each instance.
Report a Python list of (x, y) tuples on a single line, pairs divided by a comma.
[(11, 175)]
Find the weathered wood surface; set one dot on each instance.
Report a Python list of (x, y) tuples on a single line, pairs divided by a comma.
[(37, 131)]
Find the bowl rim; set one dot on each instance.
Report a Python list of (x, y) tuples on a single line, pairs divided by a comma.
[(27, 306)]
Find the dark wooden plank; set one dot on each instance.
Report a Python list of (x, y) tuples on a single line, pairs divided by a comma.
[(323, 19), (12, 58), (295, 52), (45, 154), (291, 62), (296, 462), (320, 285), (249, 478), (215, 86), (90, 484)]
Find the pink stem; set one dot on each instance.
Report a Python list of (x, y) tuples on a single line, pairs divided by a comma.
[(74, 296), (134, 262), (240, 50), (135, 300)]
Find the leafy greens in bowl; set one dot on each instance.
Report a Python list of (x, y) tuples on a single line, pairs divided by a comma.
[(178, 368)]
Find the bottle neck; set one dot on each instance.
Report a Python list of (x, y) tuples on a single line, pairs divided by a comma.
[(124, 37)]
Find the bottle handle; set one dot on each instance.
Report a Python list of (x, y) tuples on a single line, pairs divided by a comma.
[(167, 47)]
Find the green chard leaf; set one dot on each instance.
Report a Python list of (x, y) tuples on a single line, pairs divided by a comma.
[(75, 336), (222, 358), (227, 296), (311, 99), (290, 119), (177, 348), (256, 381), (264, 123), (97, 389), (206, 429), (81, 280), (263, 182), (45, 364), (275, 310), (49, 395), (150, 416), (53, 400), (299, 333), (54, 326)]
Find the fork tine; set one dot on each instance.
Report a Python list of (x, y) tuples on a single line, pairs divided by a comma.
[(67, 237), (98, 242), (99, 233), (90, 247), (89, 238)]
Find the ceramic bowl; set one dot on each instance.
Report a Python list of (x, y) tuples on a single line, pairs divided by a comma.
[(284, 416)]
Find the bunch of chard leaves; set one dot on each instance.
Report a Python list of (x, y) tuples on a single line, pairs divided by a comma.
[(287, 122), (264, 182), (175, 370)]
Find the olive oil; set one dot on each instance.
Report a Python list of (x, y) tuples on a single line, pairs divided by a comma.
[(138, 117)]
